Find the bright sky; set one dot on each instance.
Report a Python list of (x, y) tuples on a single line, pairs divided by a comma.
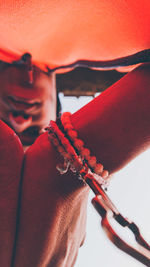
[(129, 190)]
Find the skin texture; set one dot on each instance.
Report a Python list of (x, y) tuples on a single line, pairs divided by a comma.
[(52, 211), (55, 208), (119, 121)]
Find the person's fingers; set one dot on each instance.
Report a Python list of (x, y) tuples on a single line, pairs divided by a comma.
[(53, 210), (11, 156)]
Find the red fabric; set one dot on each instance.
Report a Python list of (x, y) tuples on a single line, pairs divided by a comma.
[(52, 207), (52, 219), (11, 158), (60, 32)]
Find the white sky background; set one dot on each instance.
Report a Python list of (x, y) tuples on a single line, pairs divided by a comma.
[(129, 191)]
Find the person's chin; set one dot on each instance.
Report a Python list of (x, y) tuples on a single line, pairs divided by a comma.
[(27, 141), (29, 136)]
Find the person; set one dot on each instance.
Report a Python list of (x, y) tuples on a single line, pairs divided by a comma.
[(27, 105), (45, 226), (47, 234)]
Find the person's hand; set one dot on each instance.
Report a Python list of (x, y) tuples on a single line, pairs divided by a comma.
[(51, 220)]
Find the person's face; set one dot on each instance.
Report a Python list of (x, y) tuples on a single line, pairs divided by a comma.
[(27, 108)]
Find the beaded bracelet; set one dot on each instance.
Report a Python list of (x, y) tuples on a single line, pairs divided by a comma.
[(79, 146), (72, 159), (101, 202)]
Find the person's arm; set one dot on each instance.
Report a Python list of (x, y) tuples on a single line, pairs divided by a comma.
[(115, 126), (53, 210)]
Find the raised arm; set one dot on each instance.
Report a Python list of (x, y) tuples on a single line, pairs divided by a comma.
[(115, 127)]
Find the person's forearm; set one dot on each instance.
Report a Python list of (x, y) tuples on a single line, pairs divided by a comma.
[(116, 124), (52, 211)]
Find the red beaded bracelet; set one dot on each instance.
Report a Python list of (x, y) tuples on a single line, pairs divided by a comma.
[(81, 150), (73, 160)]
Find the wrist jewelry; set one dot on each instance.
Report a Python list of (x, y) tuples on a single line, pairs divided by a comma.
[(80, 148), (78, 159), (76, 156)]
